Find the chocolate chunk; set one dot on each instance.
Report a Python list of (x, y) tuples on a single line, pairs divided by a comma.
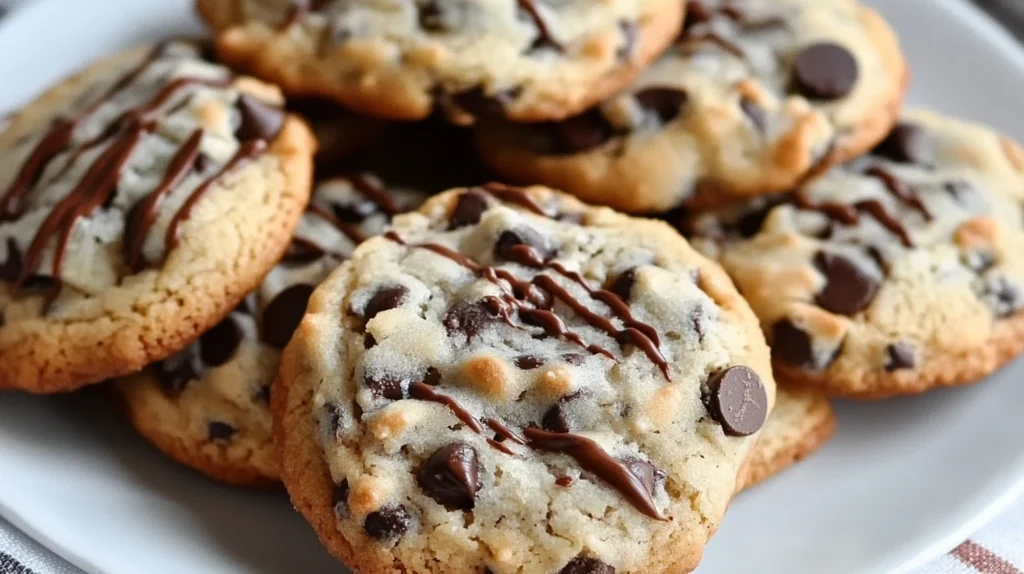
[(791, 345), (575, 359), (523, 245), (585, 565), (1002, 296), (431, 18), (555, 420), (386, 385), (387, 523), (177, 371), (11, 268), (385, 299), (580, 133), (666, 103), (477, 102), (451, 475), (202, 163), (527, 362), (755, 113), (219, 344), (219, 431), (825, 71), (284, 313), (629, 35), (432, 377), (848, 290), (906, 143), (900, 355), (260, 121), (468, 318), (470, 206), (737, 400), (648, 474), (622, 286), (339, 498)]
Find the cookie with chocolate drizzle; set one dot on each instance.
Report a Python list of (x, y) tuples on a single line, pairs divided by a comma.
[(526, 60), (208, 406), (140, 200), (893, 274), (510, 380), (755, 96)]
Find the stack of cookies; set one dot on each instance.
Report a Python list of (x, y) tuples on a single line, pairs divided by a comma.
[(251, 243)]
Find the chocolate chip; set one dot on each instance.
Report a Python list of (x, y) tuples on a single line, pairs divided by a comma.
[(906, 143), (283, 314), (11, 268), (666, 103), (737, 400), (219, 344), (451, 475), (555, 420), (260, 121), (648, 474), (219, 431), (385, 299), (574, 359), (387, 523), (386, 385), (622, 286), (202, 163), (629, 35), (585, 565), (368, 341), (523, 245), (1002, 296), (477, 102), (339, 498), (177, 371), (527, 362), (900, 355), (580, 133), (848, 289), (825, 71), (470, 206), (431, 18), (468, 318), (755, 113), (432, 377), (791, 345), (302, 252)]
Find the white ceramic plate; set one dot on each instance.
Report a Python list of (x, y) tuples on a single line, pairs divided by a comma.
[(904, 481)]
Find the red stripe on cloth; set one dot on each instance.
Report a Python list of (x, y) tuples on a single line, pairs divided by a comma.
[(982, 559)]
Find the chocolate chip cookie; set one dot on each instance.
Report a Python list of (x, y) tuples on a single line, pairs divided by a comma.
[(898, 272), (511, 381), (527, 60), (208, 405), (140, 200), (800, 424), (755, 96)]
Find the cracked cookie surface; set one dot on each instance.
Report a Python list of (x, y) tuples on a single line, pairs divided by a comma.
[(528, 60), (895, 273), (208, 406), (140, 200), (755, 96), (512, 381)]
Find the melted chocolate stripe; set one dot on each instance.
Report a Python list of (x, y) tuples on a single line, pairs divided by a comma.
[(370, 190), (903, 192), (592, 458), (247, 151), (514, 195), (350, 231), (141, 217), (850, 214), (424, 392), (542, 28), (504, 432)]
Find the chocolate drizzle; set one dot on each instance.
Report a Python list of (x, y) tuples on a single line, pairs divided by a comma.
[(350, 231), (514, 195), (591, 457), (544, 39), (850, 214), (424, 392), (903, 192)]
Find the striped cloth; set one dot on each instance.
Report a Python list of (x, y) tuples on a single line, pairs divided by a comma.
[(998, 548)]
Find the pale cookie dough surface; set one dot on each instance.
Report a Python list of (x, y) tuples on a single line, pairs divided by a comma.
[(801, 423), (140, 200), (895, 273), (458, 399), (208, 406), (528, 60), (755, 96)]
